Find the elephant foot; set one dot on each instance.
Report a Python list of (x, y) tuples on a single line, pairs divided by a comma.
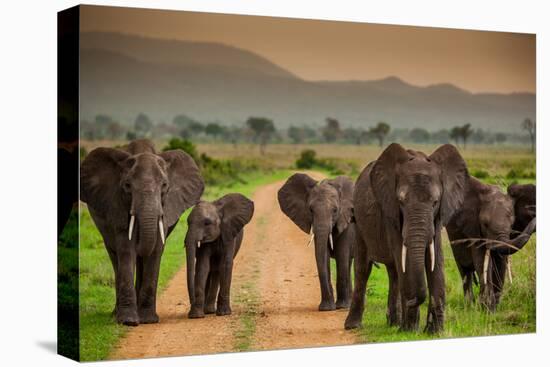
[(128, 317), (209, 309), (343, 304), (196, 313), (327, 306), (353, 322), (434, 325), (223, 310), (393, 320), (148, 316)]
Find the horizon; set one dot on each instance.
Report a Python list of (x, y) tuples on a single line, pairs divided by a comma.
[(471, 60)]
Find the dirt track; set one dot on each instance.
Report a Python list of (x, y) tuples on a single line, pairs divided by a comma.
[(275, 275)]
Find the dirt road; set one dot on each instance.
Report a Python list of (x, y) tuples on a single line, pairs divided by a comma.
[(275, 294)]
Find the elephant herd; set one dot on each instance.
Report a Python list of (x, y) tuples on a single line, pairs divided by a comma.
[(393, 214)]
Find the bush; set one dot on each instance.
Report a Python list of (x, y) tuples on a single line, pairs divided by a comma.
[(307, 159), (479, 173), (185, 145)]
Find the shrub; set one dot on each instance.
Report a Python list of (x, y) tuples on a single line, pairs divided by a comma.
[(479, 173), (186, 145), (307, 159)]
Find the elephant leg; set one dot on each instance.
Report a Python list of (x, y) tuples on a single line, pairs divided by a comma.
[(139, 274), (436, 286), (393, 313), (224, 298), (147, 296), (213, 286), (500, 264), (486, 294), (343, 276), (323, 271), (363, 268), (201, 275), (126, 310), (467, 277), (114, 262)]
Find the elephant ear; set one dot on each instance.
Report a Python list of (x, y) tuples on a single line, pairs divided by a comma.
[(100, 181), (384, 181), (235, 210), (293, 200), (454, 176), (185, 185), (345, 190)]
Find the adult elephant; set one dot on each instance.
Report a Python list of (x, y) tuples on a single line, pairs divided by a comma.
[(213, 239), (480, 231), (401, 202), (135, 197), (525, 206), (324, 209)]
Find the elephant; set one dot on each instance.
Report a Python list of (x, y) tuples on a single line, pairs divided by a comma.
[(135, 197), (525, 206), (477, 233), (214, 236), (401, 202), (324, 210)]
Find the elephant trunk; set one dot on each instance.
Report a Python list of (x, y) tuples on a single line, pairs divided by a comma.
[(149, 222), (416, 243), (191, 243), (518, 242)]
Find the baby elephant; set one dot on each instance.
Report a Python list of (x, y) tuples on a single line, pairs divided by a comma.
[(324, 209), (214, 237)]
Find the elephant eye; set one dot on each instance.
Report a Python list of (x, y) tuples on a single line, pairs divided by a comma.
[(334, 210), (127, 186)]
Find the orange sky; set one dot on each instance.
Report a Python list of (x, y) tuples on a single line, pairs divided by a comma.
[(323, 50)]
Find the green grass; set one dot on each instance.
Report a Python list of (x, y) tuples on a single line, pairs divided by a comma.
[(515, 314), (98, 330)]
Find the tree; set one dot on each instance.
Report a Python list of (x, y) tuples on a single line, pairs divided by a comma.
[(185, 145), (455, 134), (380, 131), (419, 135), (500, 138), (465, 132), (296, 134), (263, 130), (531, 127), (187, 126), (142, 125), (331, 131), (214, 129), (441, 136)]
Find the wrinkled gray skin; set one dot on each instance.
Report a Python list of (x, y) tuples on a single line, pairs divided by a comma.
[(487, 214), (404, 198), (218, 226), (325, 208), (156, 188)]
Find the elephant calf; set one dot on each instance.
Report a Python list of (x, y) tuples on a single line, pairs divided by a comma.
[(496, 218), (324, 209), (213, 239)]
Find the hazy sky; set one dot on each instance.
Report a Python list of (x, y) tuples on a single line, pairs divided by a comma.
[(323, 50)]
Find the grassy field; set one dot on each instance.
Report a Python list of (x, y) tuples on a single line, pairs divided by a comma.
[(98, 331), (499, 165)]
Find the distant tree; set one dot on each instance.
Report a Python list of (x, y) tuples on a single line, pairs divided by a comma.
[(380, 131), (307, 159), (441, 136), (296, 134), (263, 129), (419, 135), (101, 126), (455, 134), (352, 135), (213, 129), (142, 125), (187, 126), (115, 130), (479, 136), (531, 127), (331, 131), (500, 138), (465, 132)]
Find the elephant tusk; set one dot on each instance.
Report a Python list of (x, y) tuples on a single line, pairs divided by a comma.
[(131, 229), (432, 255), (509, 270), (486, 265), (161, 229), (199, 244), (311, 238), (403, 257), (330, 240)]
